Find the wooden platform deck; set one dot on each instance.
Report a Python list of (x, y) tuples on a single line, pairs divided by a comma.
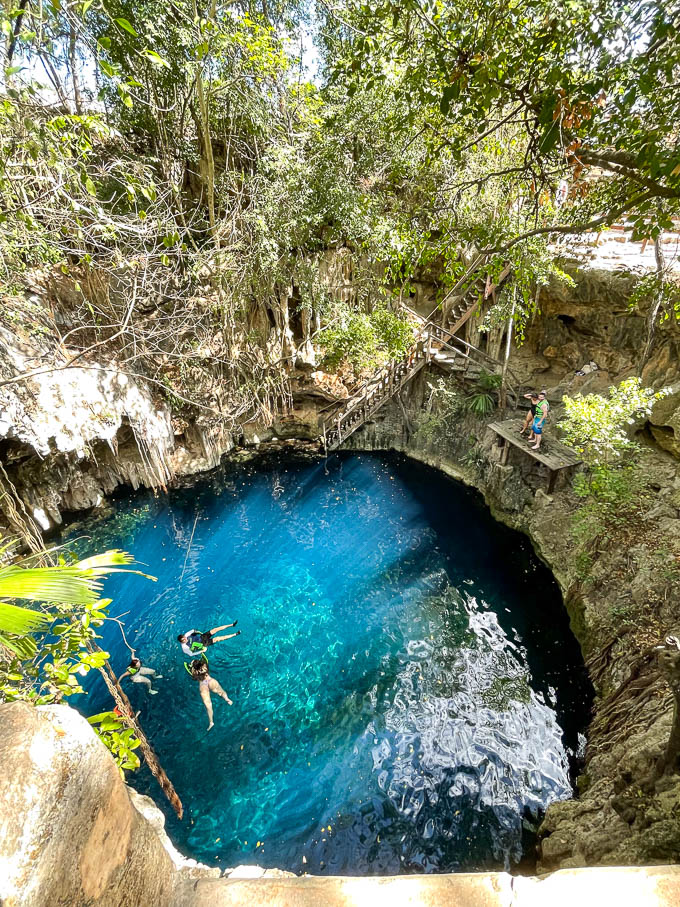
[(553, 454)]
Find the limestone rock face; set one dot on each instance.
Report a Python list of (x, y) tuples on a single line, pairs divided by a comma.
[(592, 323), (69, 832)]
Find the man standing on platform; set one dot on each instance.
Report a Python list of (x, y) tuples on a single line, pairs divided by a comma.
[(542, 410)]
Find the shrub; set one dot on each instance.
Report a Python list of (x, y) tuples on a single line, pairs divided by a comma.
[(597, 426), (444, 406), (481, 400), (365, 341)]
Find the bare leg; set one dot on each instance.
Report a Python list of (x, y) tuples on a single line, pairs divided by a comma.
[(223, 627), (216, 688), (538, 442), (150, 672), (222, 638), (205, 696), (139, 678)]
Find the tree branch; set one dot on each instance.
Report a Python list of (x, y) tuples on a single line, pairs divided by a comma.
[(604, 220)]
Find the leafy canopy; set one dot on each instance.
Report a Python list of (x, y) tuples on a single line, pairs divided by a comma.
[(581, 88), (598, 427)]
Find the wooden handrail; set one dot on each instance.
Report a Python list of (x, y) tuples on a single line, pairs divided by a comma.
[(389, 380)]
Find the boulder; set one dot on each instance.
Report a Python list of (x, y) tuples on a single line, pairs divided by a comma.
[(69, 832)]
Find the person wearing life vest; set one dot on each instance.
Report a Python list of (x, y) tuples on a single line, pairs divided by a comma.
[(542, 410), (138, 673), (206, 686), (194, 643)]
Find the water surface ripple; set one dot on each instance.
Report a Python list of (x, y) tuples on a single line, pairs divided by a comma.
[(407, 694)]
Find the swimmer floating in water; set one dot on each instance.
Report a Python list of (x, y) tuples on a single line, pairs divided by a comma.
[(206, 685), (139, 674), (194, 642)]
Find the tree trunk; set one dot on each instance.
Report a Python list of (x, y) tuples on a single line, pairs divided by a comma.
[(73, 66), (653, 315), (504, 389), (16, 31), (55, 80), (669, 662), (207, 159)]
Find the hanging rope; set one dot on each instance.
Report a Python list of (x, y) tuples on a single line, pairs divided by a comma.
[(127, 717), (122, 631), (189, 548)]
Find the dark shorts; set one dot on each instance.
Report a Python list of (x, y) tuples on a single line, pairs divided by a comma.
[(207, 639)]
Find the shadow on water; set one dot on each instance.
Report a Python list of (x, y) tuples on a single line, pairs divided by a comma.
[(408, 695)]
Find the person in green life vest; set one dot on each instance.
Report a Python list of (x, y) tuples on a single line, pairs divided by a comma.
[(542, 410), (138, 673), (194, 643)]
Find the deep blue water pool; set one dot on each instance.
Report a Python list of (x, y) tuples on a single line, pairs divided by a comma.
[(407, 692)]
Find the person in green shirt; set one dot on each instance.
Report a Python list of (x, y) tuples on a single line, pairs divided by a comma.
[(542, 410)]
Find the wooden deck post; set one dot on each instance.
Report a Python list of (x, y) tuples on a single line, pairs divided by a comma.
[(505, 450)]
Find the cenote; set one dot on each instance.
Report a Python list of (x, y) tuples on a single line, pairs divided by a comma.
[(408, 696)]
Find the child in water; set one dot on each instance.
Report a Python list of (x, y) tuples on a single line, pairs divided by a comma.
[(206, 685), (139, 674)]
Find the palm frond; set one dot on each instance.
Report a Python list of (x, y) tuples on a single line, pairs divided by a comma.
[(24, 647), (62, 585), (113, 558), (113, 561), (21, 620)]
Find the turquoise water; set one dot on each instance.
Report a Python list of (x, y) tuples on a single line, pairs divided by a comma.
[(407, 694)]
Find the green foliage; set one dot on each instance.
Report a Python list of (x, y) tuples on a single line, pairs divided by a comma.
[(211, 176), (558, 89), (647, 291), (474, 458), (444, 406), (44, 653), (365, 341), (481, 400), (118, 739), (614, 498), (612, 485), (597, 426)]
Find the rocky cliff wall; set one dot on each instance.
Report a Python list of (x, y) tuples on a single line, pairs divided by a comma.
[(587, 337), (116, 409), (70, 833)]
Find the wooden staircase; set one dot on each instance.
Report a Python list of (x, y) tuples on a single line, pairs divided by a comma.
[(461, 302), (374, 394), (433, 343)]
